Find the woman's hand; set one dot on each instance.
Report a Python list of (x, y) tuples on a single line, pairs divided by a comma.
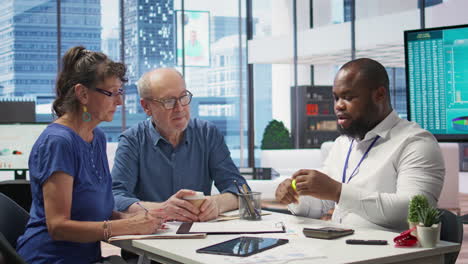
[(143, 223)]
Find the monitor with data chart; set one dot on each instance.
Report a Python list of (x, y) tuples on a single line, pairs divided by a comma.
[(437, 80)]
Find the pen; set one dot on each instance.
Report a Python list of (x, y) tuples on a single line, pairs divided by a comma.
[(249, 202), (251, 206), (144, 208), (244, 198)]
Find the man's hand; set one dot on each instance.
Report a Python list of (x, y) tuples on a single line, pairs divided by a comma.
[(328, 215), (175, 208), (317, 184), (285, 194), (209, 209)]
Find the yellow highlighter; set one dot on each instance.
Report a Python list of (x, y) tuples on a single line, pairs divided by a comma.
[(293, 185)]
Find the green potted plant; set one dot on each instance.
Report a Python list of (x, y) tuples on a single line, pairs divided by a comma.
[(429, 226), (276, 136), (418, 202)]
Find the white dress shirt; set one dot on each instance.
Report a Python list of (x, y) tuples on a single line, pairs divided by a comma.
[(406, 160)]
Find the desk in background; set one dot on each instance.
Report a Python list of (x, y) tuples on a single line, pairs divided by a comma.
[(18, 174), (334, 251)]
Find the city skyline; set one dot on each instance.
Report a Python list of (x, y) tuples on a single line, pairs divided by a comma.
[(150, 42)]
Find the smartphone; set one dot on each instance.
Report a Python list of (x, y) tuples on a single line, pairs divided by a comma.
[(366, 242), (327, 232)]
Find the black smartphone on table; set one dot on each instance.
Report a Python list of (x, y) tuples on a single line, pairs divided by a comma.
[(243, 246), (378, 242), (327, 232)]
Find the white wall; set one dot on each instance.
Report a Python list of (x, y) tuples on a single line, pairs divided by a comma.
[(379, 35), (453, 12)]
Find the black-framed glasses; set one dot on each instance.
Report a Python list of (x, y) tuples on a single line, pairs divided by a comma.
[(110, 94), (169, 103)]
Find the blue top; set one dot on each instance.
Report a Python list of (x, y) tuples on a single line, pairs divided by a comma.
[(59, 148), (147, 167)]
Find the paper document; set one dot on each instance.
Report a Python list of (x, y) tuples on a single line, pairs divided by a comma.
[(285, 254), (169, 232), (227, 217), (233, 227)]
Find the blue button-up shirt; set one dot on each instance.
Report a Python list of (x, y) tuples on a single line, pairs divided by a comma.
[(148, 168)]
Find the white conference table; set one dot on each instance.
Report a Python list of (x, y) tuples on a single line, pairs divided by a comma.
[(318, 250)]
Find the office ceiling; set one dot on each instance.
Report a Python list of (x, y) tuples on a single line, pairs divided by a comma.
[(390, 55)]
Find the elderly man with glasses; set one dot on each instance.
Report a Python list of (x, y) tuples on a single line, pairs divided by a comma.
[(170, 155)]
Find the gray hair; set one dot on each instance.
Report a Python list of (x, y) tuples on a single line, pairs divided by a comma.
[(144, 85)]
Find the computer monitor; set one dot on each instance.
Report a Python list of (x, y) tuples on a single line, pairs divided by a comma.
[(16, 111), (437, 80)]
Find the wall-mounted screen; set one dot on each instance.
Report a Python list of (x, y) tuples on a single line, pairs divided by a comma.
[(437, 80), (196, 38)]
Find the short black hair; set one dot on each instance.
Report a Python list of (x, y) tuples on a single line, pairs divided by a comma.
[(370, 71)]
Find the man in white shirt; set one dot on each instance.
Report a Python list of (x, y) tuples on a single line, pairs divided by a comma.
[(378, 163)]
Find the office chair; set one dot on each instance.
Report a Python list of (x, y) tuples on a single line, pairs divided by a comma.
[(19, 191), (452, 231), (13, 220), (8, 253)]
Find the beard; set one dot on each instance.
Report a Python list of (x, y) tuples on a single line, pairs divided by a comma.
[(363, 124)]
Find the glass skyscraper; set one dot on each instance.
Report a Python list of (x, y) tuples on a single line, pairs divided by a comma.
[(149, 36), (149, 43), (28, 49)]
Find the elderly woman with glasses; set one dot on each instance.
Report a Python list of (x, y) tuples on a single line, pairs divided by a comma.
[(170, 155), (72, 208)]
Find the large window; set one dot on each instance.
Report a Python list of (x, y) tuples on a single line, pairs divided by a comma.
[(215, 68), (214, 65), (208, 45), (28, 52), (271, 21)]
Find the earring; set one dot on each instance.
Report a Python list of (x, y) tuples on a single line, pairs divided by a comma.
[(86, 116)]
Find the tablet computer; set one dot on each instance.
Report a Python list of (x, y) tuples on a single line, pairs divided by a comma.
[(243, 246)]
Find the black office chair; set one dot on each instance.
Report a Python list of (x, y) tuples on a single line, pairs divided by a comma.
[(13, 220), (19, 191), (452, 231), (8, 253)]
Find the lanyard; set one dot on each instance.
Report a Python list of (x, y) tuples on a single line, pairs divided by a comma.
[(359, 164)]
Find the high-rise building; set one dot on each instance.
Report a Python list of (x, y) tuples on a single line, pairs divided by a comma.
[(218, 89), (149, 36), (149, 42), (222, 26), (111, 45), (28, 46)]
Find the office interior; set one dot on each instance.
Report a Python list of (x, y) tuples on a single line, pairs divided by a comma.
[(254, 61)]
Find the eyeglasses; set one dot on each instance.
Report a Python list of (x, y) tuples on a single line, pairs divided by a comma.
[(110, 94), (170, 103)]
